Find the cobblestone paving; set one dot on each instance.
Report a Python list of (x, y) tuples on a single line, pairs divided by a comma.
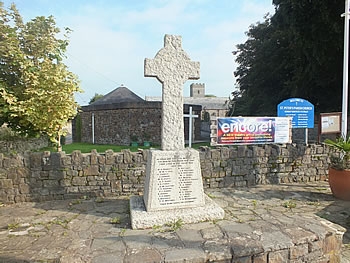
[(98, 230)]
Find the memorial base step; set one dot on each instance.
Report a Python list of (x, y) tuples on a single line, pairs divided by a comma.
[(142, 219)]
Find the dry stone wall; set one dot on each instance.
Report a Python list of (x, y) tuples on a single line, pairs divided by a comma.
[(48, 176)]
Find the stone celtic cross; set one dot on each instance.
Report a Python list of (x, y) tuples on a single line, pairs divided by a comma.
[(172, 67)]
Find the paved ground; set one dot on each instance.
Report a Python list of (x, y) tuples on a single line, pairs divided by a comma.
[(98, 230)]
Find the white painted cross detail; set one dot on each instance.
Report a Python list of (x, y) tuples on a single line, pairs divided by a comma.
[(191, 116), (172, 67)]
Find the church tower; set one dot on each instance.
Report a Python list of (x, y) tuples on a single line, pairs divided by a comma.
[(197, 90)]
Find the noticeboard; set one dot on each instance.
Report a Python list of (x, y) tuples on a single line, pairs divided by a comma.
[(301, 111), (330, 122)]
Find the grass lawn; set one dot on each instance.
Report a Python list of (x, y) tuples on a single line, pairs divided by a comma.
[(87, 147)]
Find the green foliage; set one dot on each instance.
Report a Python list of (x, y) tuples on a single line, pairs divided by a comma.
[(297, 52), (341, 159), (340, 143), (157, 228), (95, 98), (63, 222), (175, 225), (115, 220), (99, 200), (200, 144), (211, 195), (290, 204), (122, 232), (36, 88), (255, 203), (6, 134), (169, 227), (231, 103), (13, 226)]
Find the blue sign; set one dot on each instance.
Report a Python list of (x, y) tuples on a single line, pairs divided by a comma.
[(301, 111)]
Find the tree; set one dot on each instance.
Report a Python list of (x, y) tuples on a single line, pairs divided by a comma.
[(36, 88), (261, 70), (95, 97), (297, 52)]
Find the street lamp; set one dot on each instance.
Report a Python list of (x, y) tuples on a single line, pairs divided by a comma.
[(344, 125)]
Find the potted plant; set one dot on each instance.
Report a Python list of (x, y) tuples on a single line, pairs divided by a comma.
[(147, 138), (339, 168)]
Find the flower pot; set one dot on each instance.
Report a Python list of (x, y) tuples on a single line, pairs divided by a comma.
[(339, 181), (147, 143)]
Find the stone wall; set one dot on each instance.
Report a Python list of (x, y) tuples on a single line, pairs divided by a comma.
[(22, 145), (263, 164), (47, 176), (111, 127), (118, 124)]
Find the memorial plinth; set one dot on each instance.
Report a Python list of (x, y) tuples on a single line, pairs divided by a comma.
[(173, 179), (173, 191)]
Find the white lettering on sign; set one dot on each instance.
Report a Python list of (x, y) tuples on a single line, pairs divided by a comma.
[(244, 127), (295, 108)]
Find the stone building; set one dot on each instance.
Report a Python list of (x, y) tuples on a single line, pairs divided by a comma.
[(212, 106), (121, 117)]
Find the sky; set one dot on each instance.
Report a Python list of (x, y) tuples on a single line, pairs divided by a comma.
[(111, 38)]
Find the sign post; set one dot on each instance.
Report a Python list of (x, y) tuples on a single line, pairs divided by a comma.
[(301, 111), (344, 124), (93, 127)]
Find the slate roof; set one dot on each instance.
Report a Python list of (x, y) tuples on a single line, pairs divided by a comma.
[(119, 95), (210, 103)]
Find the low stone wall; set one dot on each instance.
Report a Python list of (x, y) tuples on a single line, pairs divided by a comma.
[(265, 164), (48, 176)]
